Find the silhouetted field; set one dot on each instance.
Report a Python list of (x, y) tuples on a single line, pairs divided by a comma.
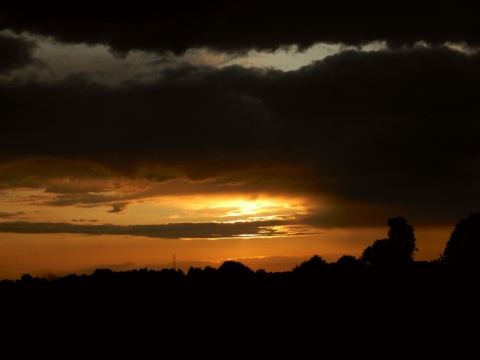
[(416, 298), (424, 303), (381, 305)]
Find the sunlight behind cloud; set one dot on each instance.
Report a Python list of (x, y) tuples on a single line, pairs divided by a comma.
[(87, 200), (258, 209)]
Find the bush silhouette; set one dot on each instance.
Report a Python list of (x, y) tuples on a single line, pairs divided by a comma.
[(348, 264), (234, 270), (315, 265)]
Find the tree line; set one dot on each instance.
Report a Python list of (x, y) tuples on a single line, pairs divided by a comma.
[(394, 254), (382, 299)]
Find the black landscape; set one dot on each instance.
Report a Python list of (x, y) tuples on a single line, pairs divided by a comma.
[(383, 295)]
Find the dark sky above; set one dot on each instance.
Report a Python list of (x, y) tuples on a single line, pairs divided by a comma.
[(241, 25), (396, 130)]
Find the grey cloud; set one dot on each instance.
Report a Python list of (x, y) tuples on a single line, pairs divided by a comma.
[(119, 207)]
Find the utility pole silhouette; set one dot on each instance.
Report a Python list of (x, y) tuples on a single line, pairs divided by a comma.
[(174, 268)]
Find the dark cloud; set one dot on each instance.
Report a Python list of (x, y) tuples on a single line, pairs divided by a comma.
[(77, 187), (118, 208), (168, 231), (190, 114), (14, 215), (243, 25), (38, 172), (16, 53), (85, 200), (397, 129)]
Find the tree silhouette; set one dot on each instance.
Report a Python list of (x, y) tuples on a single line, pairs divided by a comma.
[(348, 264), (236, 271), (403, 235), (394, 252), (315, 265), (463, 247)]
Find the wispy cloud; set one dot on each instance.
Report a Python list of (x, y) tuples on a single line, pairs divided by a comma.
[(119, 207), (14, 215)]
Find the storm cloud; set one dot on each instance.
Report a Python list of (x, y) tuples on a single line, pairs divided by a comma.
[(362, 125), (396, 129)]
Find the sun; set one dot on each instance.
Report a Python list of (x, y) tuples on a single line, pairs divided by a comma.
[(249, 208), (257, 210)]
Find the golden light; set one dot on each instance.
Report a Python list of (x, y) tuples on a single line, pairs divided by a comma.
[(257, 209)]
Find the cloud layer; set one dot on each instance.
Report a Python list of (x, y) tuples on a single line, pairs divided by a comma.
[(374, 134)]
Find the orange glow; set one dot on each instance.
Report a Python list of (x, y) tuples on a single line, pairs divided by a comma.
[(268, 237), (258, 209), (60, 254)]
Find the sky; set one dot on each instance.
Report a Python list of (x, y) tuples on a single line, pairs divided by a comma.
[(264, 132)]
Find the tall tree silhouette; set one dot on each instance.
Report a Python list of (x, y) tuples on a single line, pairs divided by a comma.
[(394, 252), (463, 247)]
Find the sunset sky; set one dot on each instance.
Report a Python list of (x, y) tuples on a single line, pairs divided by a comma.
[(266, 132)]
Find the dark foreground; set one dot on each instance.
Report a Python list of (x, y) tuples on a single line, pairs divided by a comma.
[(254, 315)]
